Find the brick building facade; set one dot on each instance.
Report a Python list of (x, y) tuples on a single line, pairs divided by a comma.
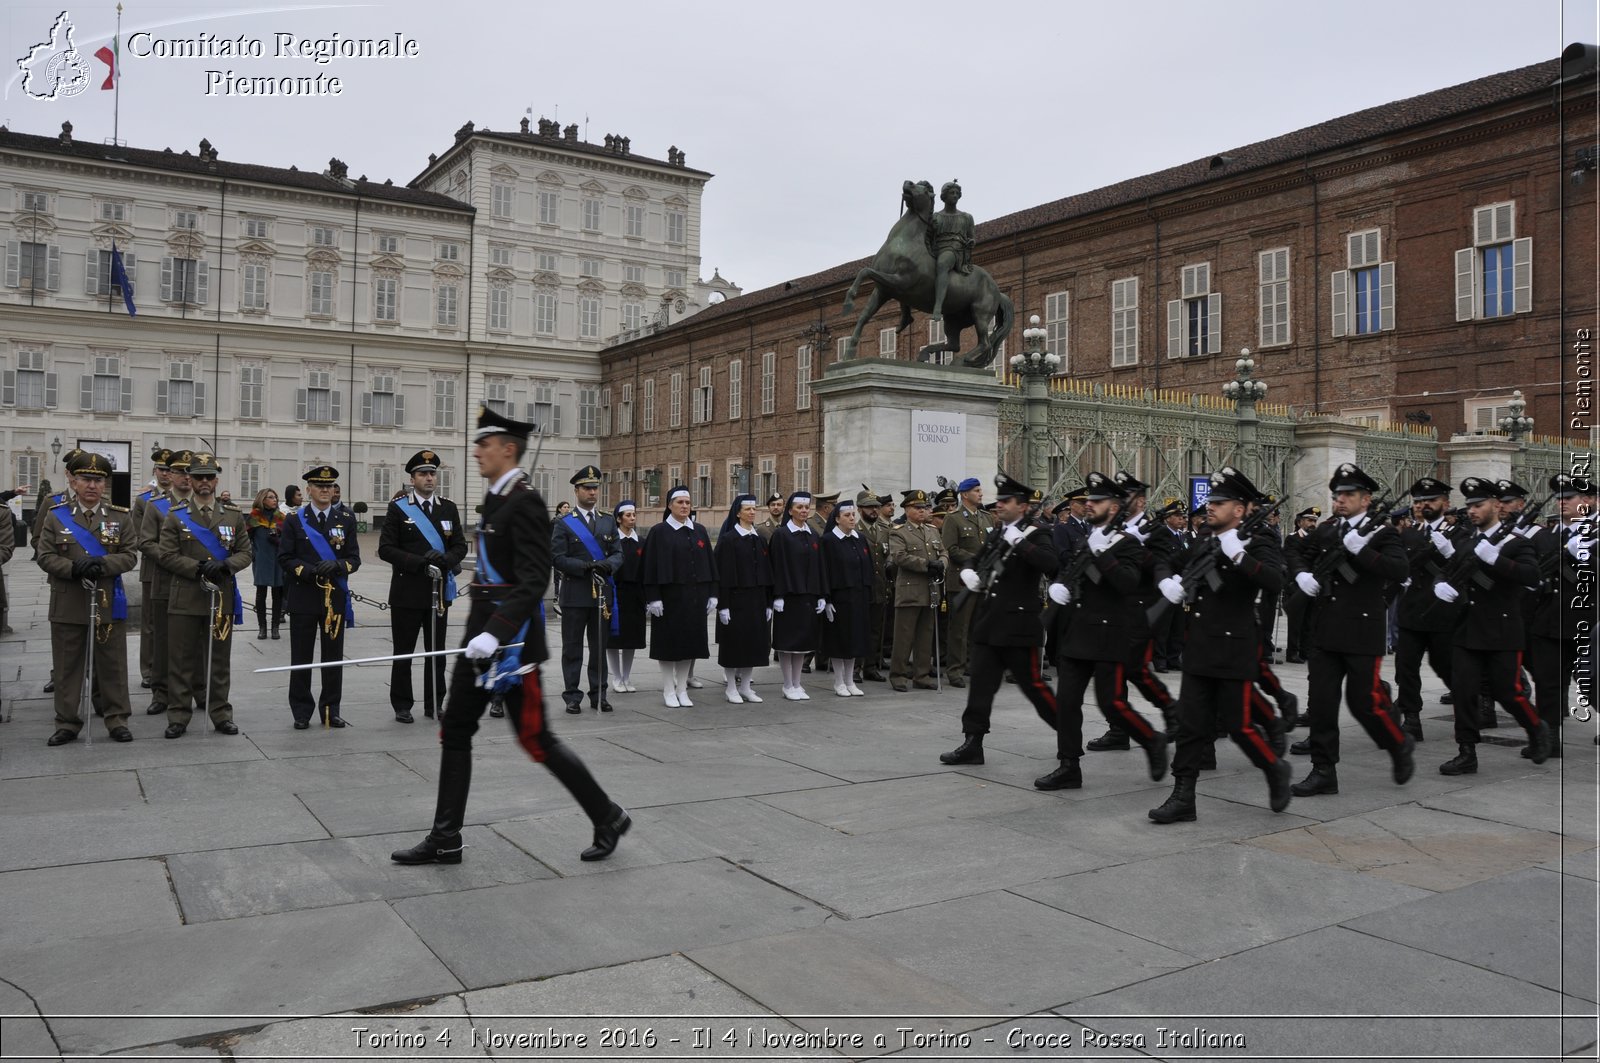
[(1415, 261)]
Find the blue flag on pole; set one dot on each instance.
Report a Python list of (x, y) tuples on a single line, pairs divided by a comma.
[(119, 277)]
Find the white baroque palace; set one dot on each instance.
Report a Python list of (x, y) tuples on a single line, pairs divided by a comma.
[(290, 317)]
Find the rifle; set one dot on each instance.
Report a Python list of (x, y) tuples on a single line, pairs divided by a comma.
[(992, 561), (1205, 565), (1463, 562), (1336, 558), (1073, 580)]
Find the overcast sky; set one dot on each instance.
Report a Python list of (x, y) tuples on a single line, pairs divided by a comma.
[(810, 114)]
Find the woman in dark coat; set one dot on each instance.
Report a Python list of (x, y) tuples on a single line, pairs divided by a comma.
[(266, 524), (679, 577), (847, 567), (630, 600), (744, 593), (800, 592)]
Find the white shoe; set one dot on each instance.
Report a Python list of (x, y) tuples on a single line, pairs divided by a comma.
[(840, 690), (695, 682), (855, 691), (733, 696), (795, 694), (630, 687), (618, 686), (748, 694), (670, 696), (801, 695)]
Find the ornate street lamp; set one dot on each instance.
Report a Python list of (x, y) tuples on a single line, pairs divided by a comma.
[(1245, 391), (1515, 424), (55, 447), (1035, 366)]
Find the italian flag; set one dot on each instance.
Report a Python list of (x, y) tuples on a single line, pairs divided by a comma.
[(110, 56)]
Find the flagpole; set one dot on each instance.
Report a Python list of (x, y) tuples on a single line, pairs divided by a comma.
[(116, 84)]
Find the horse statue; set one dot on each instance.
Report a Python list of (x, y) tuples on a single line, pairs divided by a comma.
[(904, 270)]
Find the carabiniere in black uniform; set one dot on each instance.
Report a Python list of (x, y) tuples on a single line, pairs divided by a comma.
[(506, 592)]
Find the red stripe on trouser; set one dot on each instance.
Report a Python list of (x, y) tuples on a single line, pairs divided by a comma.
[(530, 721), (1121, 706), (1262, 705), (1265, 675), (1380, 704), (1520, 706), (1147, 681), (1037, 677), (1247, 729)]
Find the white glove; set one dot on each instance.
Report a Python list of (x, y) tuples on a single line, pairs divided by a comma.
[(711, 606), (822, 603), (1232, 545), (1059, 593), (482, 645), (769, 614), (1308, 583), (1442, 543), (1099, 541), (1137, 531), (1011, 534), (1445, 593), (777, 605), (1172, 589), (724, 617), (1580, 548), (653, 608), (969, 579), (1489, 552), (829, 612), (1355, 542)]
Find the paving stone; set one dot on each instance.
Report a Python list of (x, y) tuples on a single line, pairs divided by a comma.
[(1365, 784), (1259, 897), (23, 1033), (409, 806), (889, 870), (1422, 847), (93, 791), (1562, 801), (863, 808), (596, 920), (52, 838), (440, 1028), (286, 775), (1536, 926), (28, 756), (229, 883), (1583, 865), (152, 986), (58, 904), (739, 829), (992, 947), (1313, 990)]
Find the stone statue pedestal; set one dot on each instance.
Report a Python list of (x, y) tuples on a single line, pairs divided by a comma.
[(870, 436), (1323, 446)]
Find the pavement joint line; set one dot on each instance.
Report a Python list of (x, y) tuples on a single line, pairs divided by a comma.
[(1458, 959), (779, 885), (525, 851)]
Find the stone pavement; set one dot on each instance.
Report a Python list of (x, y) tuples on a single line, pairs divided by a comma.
[(803, 880)]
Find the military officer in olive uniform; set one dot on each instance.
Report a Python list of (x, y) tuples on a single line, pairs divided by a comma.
[(918, 558), (88, 540), (318, 551), (819, 516), (963, 535), (203, 546), (156, 600), (876, 533), (159, 459), (774, 517)]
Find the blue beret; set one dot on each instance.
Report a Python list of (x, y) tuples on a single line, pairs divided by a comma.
[(968, 484)]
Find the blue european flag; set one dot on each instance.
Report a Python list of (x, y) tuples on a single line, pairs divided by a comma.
[(119, 277)]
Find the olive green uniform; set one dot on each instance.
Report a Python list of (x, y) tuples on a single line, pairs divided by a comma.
[(767, 527), (191, 612), (136, 518), (911, 547), (876, 533), (69, 612), (963, 535), (155, 602)]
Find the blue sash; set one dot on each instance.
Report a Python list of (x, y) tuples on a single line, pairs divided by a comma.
[(510, 659), (162, 506), (430, 533), (586, 537), (319, 543), (146, 495), (94, 548), (208, 539)]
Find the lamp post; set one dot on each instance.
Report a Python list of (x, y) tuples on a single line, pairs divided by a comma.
[(55, 447), (1515, 424), (1245, 392), (1035, 366)]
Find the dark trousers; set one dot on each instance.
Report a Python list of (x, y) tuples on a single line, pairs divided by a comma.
[(881, 621), (1359, 675), (1408, 653), (1169, 639), (1204, 702), (525, 713), (1110, 680), (1296, 608), (305, 635), (1502, 670), (156, 609), (988, 666), (577, 623), (1145, 681), (405, 625), (1266, 678), (277, 604)]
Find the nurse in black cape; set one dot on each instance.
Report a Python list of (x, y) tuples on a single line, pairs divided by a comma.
[(800, 592), (847, 619), (630, 634), (744, 597), (679, 577)]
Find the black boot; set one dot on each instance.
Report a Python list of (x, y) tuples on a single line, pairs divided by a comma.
[(1289, 709), (607, 833), (1464, 762), (1114, 738), (277, 622), (261, 620), (1320, 781), (443, 844), (1486, 717), (1538, 749), (1411, 724), (1169, 716), (1157, 752), (1065, 777), (1278, 789), (1277, 735), (1403, 763), (1178, 808), (970, 751)]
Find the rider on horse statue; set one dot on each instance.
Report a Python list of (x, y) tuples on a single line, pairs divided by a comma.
[(950, 244)]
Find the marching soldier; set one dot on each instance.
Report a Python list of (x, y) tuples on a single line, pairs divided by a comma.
[(584, 548), (876, 532), (1345, 569), (1006, 633), (1296, 605), (774, 517), (1220, 658), (1563, 653), (203, 546), (85, 546), (1425, 622), (163, 476), (157, 594), (512, 572), (1487, 573), (964, 533), (917, 555), (318, 552), (424, 544)]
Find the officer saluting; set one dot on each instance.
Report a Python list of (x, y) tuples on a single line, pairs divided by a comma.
[(84, 547), (424, 544), (202, 546), (318, 551), (585, 550)]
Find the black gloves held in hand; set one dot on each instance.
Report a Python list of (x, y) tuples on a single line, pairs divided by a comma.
[(213, 570), (87, 568), (434, 557), (329, 569), (936, 567)]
